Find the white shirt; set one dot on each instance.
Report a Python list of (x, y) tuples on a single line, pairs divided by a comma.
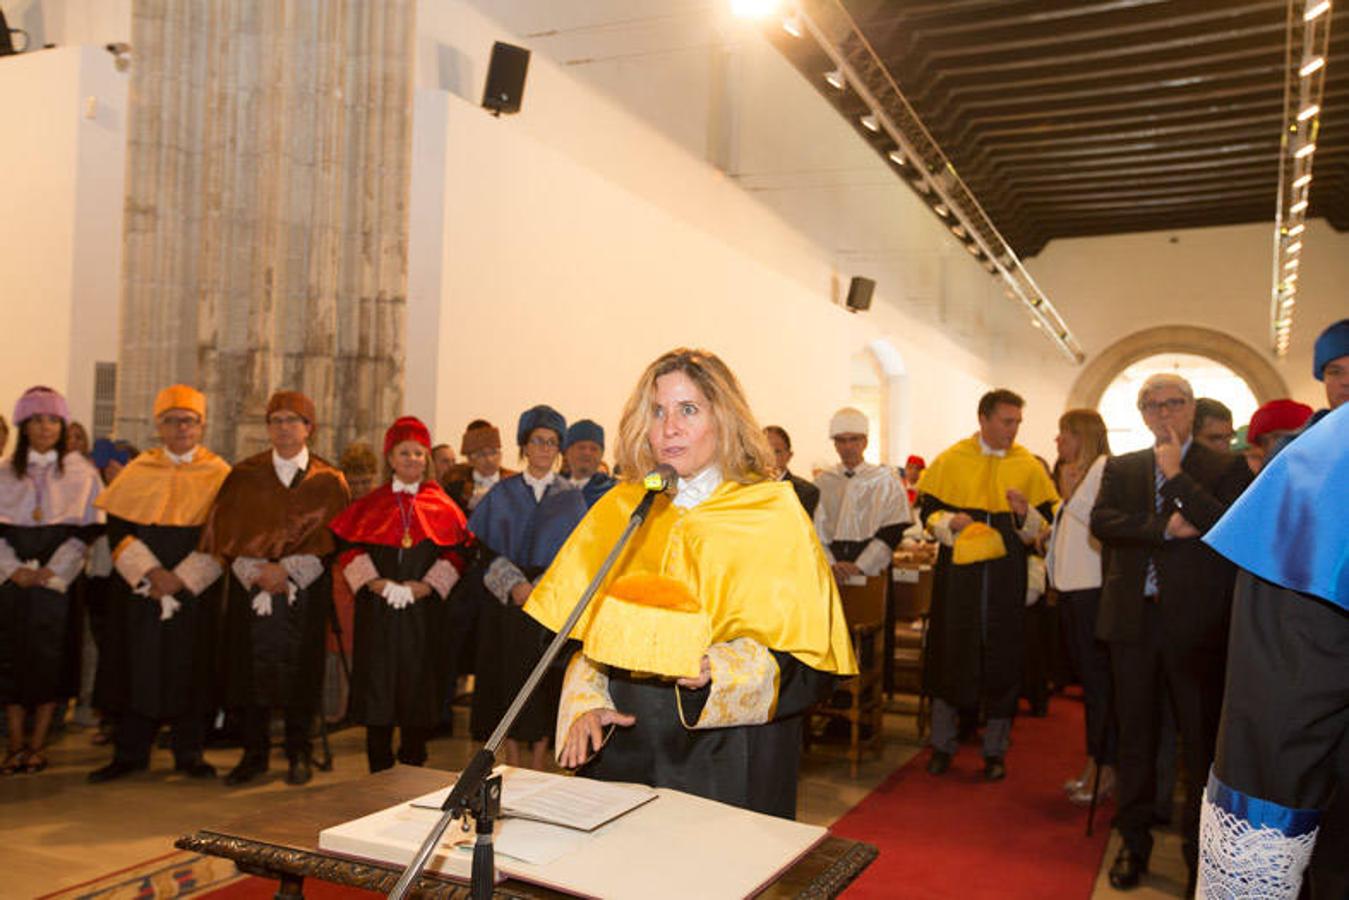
[(41, 459), (692, 491), (402, 487), (180, 459), (286, 468), (989, 451), (855, 508), (539, 485), (1074, 558)]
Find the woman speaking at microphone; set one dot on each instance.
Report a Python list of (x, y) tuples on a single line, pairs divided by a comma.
[(720, 622)]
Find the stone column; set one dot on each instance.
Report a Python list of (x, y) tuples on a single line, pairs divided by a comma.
[(266, 216)]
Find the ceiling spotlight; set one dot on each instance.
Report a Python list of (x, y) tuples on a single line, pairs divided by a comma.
[(870, 122), (1297, 229), (1312, 66), (1308, 111), (792, 25), (1304, 151), (1293, 247), (1300, 206), (1302, 181), (897, 157), (836, 79), (941, 210), (1315, 9), (1292, 264)]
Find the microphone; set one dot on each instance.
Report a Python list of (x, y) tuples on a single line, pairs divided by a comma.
[(657, 481), (661, 479)]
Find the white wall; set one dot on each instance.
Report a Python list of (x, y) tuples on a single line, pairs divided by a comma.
[(68, 23), (577, 243), (60, 240), (1219, 278)]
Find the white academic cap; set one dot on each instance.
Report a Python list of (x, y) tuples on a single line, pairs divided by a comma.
[(848, 421)]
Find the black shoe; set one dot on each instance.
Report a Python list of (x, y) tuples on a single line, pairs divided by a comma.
[(118, 768), (1128, 870), (248, 769), (994, 770), (939, 763), (195, 768), (300, 772)]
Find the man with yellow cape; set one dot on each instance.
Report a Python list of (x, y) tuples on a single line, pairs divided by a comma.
[(984, 498), (162, 612)]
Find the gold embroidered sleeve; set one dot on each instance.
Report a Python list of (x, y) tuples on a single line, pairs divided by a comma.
[(584, 687), (744, 689)]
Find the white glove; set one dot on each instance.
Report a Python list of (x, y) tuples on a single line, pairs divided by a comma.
[(167, 607), (262, 603), (398, 595)]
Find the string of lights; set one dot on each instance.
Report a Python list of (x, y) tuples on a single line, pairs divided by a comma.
[(1304, 88)]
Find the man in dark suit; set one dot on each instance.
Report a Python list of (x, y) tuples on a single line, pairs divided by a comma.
[(1165, 603), (781, 442)]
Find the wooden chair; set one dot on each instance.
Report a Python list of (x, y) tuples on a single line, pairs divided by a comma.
[(911, 598), (860, 700)]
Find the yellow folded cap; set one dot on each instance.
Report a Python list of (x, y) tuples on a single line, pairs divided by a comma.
[(649, 623), (977, 542)]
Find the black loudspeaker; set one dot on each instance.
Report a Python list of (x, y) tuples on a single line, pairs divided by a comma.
[(505, 78), (859, 293)]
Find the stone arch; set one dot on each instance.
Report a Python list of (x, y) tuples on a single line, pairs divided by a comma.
[(1265, 381)]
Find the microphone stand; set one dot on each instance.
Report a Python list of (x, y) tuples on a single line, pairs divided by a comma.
[(478, 791)]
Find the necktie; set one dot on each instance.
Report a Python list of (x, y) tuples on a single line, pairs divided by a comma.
[(1150, 580)]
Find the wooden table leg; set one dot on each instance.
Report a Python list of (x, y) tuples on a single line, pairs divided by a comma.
[(291, 888)]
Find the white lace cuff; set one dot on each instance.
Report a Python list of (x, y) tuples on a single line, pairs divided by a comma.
[(1250, 847), (133, 560), (502, 575), (198, 572), (441, 577), (360, 572), (303, 569)]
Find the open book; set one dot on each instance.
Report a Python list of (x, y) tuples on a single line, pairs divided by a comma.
[(580, 803), (676, 847)]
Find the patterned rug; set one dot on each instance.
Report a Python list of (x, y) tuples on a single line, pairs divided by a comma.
[(172, 875)]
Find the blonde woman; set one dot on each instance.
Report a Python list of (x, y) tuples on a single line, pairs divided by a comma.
[(725, 591), (1074, 567)]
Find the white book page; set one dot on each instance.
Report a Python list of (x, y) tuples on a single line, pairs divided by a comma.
[(581, 803)]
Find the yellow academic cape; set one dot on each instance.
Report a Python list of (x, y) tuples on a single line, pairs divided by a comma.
[(153, 490), (748, 554), (964, 477)]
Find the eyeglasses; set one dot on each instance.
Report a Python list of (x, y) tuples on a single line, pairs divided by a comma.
[(543, 443), (179, 421), (1174, 404)]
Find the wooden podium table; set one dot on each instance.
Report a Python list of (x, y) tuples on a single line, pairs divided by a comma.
[(282, 842)]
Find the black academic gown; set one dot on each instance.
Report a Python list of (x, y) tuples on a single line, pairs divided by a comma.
[(157, 669), (975, 656), (750, 766), (35, 621), (398, 667)]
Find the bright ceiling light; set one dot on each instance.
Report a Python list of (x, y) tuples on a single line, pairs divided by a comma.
[(792, 25), (1315, 9), (1304, 151), (1302, 181), (870, 122), (1296, 229), (941, 210), (753, 9), (836, 79), (897, 157), (1293, 247), (1300, 206), (1291, 264), (1311, 66), (1307, 112)]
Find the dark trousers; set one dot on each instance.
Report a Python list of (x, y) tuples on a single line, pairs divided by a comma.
[(379, 746), (1193, 677), (1285, 728), (1091, 658), (136, 734), (257, 737)]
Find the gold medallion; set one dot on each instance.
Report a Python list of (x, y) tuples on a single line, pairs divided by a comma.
[(407, 540)]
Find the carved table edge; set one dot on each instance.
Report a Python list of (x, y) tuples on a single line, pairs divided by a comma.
[(271, 861), (841, 872)]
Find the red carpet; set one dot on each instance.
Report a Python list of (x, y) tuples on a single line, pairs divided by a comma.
[(957, 836)]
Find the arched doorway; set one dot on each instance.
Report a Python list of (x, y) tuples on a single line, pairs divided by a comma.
[(1209, 378), (880, 389)]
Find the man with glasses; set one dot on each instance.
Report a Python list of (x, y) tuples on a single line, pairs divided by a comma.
[(161, 612), (270, 522), (1165, 602), (469, 481)]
